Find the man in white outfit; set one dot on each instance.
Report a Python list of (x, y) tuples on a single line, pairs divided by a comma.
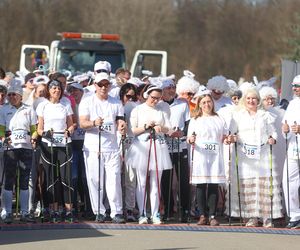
[(291, 175), (101, 116)]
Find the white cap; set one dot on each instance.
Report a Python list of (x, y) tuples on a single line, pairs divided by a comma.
[(218, 83), (202, 91), (81, 78), (101, 76), (296, 80), (167, 82), (102, 65), (40, 79), (149, 88), (76, 85), (15, 87)]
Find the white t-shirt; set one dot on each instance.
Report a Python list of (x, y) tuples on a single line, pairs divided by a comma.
[(109, 110), (18, 121), (54, 115)]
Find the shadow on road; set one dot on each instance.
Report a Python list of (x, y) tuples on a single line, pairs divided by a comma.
[(26, 236)]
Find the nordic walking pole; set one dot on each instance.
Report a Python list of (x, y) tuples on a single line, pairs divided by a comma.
[(238, 180), (99, 169), (70, 171), (170, 178), (123, 174), (229, 182), (190, 177), (179, 176), (287, 172), (147, 173), (156, 167), (18, 191), (271, 181), (298, 160), (52, 165)]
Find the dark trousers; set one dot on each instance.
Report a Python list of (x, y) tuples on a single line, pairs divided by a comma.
[(207, 198), (17, 158), (58, 174), (180, 162)]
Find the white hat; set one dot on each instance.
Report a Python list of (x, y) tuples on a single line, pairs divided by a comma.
[(135, 81), (15, 87), (218, 83), (156, 81), (187, 83), (167, 82), (149, 88), (246, 85), (268, 83), (268, 91), (81, 77), (76, 85), (103, 66), (101, 76), (296, 80), (202, 91), (40, 79)]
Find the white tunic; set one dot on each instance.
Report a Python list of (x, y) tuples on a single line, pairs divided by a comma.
[(207, 163), (137, 155)]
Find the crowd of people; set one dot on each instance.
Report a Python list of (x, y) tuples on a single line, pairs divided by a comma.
[(111, 147)]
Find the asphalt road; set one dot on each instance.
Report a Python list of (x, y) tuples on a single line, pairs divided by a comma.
[(72, 239)]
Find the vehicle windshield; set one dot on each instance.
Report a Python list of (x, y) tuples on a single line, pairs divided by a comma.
[(83, 61)]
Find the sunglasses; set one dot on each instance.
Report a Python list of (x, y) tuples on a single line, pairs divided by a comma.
[(100, 84), (190, 94), (130, 96), (11, 94), (102, 71)]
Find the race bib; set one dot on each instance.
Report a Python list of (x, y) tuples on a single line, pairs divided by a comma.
[(173, 145), (108, 127), (20, 136), (251, 151), (78, 134), (210, 147), (58, 140)]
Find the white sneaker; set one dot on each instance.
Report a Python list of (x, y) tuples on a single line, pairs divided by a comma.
[(156, 220), (253, 222), (143, 220)]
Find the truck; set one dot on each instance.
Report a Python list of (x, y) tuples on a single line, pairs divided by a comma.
[(78, 52)]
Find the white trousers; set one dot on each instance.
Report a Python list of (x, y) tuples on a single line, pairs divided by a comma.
[(294, 182), (110, 176), (141, 174)]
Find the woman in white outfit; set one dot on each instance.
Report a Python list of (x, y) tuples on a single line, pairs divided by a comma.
[(207, 131), (255, 133), (291, 171), (144, 120)]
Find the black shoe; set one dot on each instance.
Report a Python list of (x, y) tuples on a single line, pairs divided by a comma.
[(69, 218), (185, 217), (55, 217), (27, 218), (293, 224), (99, 218), (107, 218), (130, 217), (118, 219), (8, 219)]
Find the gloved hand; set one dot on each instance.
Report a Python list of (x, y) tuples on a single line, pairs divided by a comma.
[(48, 134)]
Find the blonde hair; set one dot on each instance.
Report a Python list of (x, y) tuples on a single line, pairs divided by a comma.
[(197, 112), (242, 102)]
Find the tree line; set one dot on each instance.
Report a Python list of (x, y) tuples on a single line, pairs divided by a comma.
[(235, 38)]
